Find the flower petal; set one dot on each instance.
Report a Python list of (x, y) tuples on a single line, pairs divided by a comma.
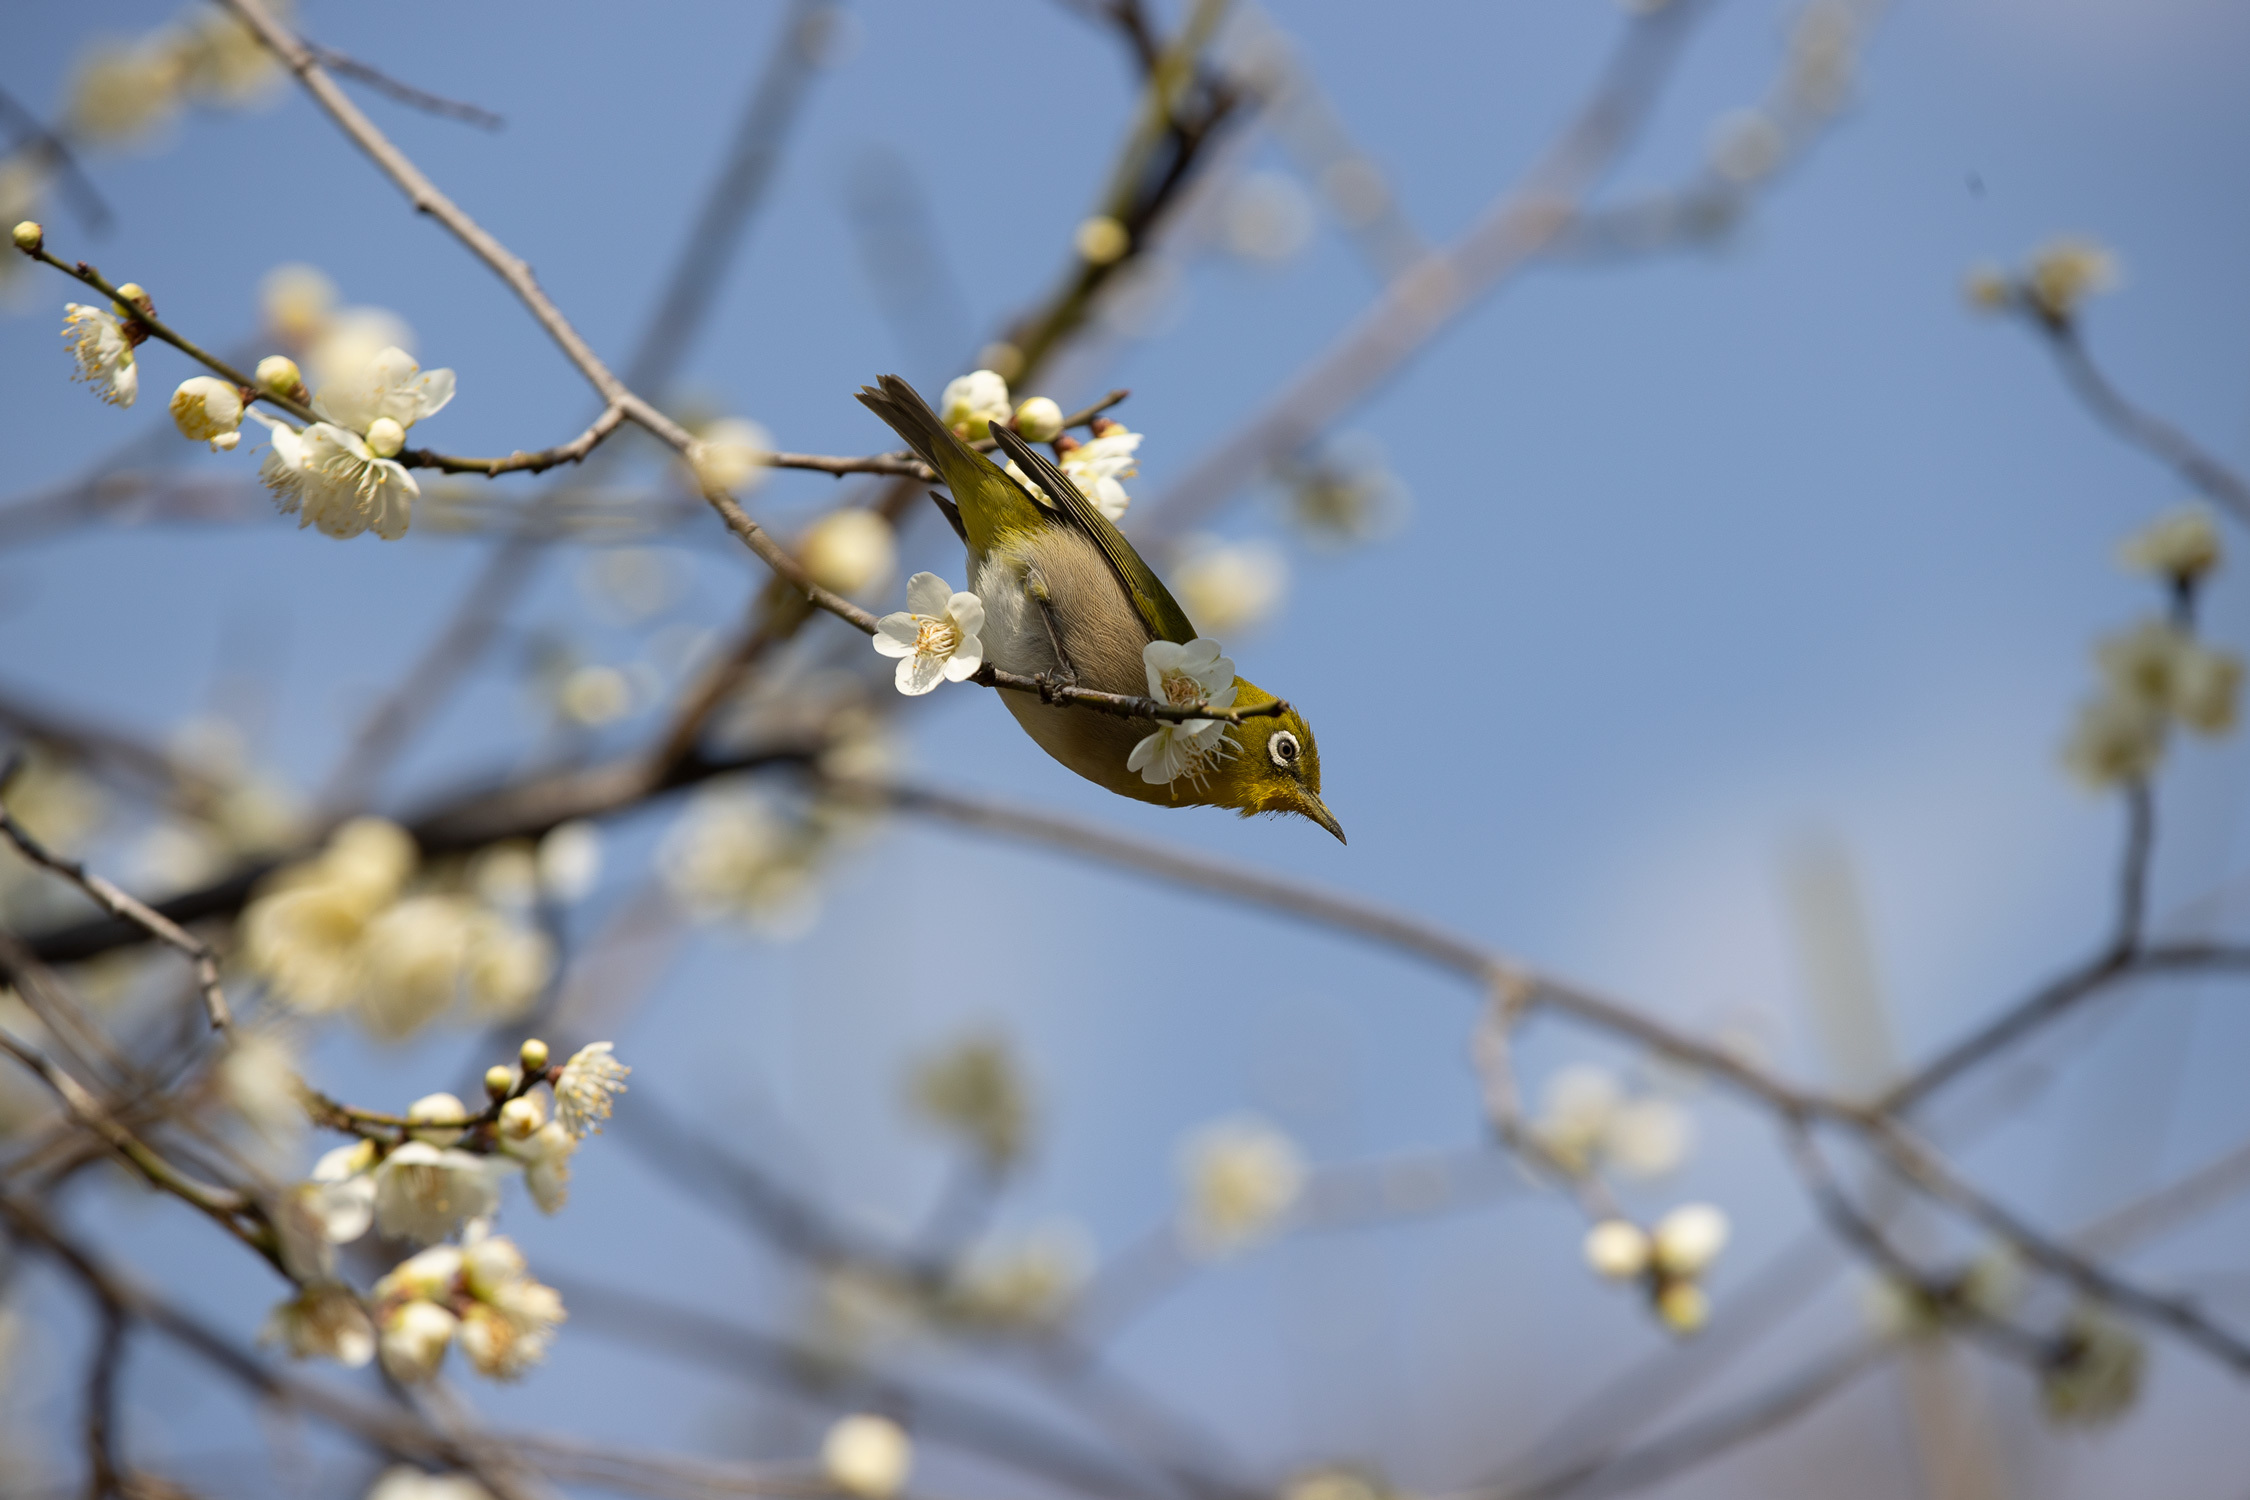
[(919, 673), (928, 594), (967, 612), (964, 662), (431, 392)]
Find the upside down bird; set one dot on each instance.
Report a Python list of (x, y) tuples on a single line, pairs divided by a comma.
[(1066, 596)]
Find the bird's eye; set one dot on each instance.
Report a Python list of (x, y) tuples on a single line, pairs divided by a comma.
[(1283, 748)]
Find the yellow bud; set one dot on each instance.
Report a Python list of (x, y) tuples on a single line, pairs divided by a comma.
[(1102, 240), (1683, 1306), (533, 1056), (29, 237), (1040, 420), (278, 375), (133, 299), (499, 1080)]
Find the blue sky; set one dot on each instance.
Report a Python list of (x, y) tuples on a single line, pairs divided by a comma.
[(1705, 553)]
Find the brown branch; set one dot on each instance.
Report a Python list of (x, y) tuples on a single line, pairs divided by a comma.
[(124, 906)]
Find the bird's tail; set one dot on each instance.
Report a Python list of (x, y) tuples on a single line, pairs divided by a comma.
[(902, 407)]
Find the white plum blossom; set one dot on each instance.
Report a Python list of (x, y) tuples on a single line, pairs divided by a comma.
[(510, 1321), (209, 410), (1095, 467), (868, 1456), (544, 1148), (414, 1338), (339, 473), (324, 1321), (971, 403), (937, 638), (850, 551), (331, 479), (342, 1192), (424, 1193), (1182, 675), (104, 354), (1230, 586), (590, 1080), (731, 454), (390, 386), (1241, 1176)]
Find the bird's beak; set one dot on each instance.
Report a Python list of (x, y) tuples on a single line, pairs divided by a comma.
[(1317, 810)]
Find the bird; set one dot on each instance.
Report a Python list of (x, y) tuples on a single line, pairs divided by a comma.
[(1066, 597)]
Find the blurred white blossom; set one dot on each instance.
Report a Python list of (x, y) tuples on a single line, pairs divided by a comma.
[(852, 551), (1590, 1122), (403, 1483), (1241, 1176), (2182, 543), (1025, 1282), (412, 1338), (1269, 217), (425, 1193), (867, 1456), (2097, 1378), (324, 1321), (975, 1089), (1230, 587), (589, 1082), (2064, 272), (1688, 1239), (731, 454), (1618, 1249), (510, 1320)]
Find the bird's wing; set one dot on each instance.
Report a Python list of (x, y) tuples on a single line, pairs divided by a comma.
[(1158, 610)]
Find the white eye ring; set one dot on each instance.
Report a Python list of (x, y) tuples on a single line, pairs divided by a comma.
[(1281, 749)]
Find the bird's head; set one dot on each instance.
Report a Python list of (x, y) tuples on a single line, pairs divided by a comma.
[(1278, 767)]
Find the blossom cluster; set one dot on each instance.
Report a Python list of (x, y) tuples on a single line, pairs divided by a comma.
[(354, 929), (973, 402), (2157, 675), (1590, 1122), (1668, 1261), (2052, 285), (1241, 1177), (440, 1176)]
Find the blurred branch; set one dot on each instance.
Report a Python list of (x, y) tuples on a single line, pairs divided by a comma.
[(2138, 426), (1020, 1442), (405, 93), (33, 134), (729, 206), (123, 906), (1427, 298)]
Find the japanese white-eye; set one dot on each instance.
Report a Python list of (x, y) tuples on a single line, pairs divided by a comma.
[(1066, 596)]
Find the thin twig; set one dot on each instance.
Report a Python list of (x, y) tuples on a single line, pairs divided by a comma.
[(405, 93), (125, 906), (2143, 429)]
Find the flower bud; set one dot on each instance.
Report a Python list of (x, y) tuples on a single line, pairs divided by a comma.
[(971, 403), (1617, 1249), (207, 409), (1102, 240), (437, 1107), (499, 1080), (278, 375), (1689, 1238), (1683, 1306), (133, 300), (850, 551), (385, 437), (730, 454), (29, 237), (533, 1056), (1040, 420), (868, 1456), (520, 1119)]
